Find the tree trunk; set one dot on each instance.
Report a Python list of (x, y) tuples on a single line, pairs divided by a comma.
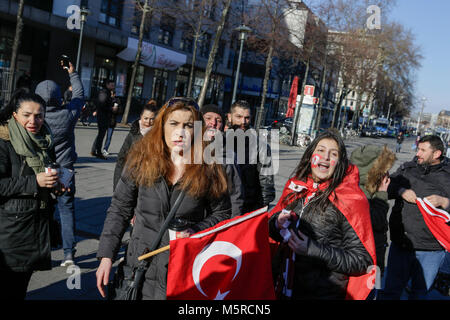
[(212, 53), (322, 87), (192, 72), (337, 110), (135, 64), (298, 108), (15, 48), (265, 86)]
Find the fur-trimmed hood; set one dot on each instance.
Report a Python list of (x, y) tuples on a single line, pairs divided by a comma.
[(4, 133), (373, 162)]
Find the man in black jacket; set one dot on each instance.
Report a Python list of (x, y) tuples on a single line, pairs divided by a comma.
[(257, 177), (103, 110), (415, 253)]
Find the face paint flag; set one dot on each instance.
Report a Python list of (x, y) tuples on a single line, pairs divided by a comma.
[(228, 261), (437, 220)]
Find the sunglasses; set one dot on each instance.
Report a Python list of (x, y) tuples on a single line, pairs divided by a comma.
[(187, 101)]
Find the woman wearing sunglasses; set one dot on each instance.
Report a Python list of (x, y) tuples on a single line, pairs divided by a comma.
[(155, 173)]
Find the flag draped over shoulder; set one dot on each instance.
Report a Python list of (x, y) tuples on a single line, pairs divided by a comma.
[(350, 200), (437, 221), (228, 261)]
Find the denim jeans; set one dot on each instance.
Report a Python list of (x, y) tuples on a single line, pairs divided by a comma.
[(420, 267), (398, 147), (109, 134), (66, 210), (445, 266)]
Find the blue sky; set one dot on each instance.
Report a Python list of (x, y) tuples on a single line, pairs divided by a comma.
[(429, 21)]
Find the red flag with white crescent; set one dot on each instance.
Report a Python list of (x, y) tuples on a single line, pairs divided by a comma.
[(437, 221), (228, 261)]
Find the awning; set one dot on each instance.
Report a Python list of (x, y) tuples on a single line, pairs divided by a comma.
[(152, 55)]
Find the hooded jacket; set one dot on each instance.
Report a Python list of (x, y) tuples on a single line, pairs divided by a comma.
[(62, 118), (373, 162)]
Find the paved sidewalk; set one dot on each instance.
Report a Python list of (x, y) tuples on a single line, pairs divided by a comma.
[(93, 195)]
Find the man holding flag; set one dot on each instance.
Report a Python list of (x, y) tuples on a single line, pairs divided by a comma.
[(420, 187)]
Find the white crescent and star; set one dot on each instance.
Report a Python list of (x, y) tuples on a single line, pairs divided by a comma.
[(211, 250)]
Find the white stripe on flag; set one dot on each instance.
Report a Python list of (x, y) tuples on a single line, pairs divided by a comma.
[(443, 212), (425, 205), (232, 223)]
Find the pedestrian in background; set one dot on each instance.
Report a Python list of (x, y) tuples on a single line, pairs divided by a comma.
[(214, 122), (139, 128), (102, 110), (323, 219), (62, 118), (415, 254), (374, 163), (112, 123), (400, 139), (26, 148), (154, 177), (257, 178)]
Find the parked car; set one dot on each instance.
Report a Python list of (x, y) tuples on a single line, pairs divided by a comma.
[(369, 132), (284, 125)]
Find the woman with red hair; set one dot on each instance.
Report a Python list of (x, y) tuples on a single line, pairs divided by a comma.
[(156, 172)]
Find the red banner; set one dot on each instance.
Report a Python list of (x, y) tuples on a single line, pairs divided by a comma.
[(292, 98), (228, 261)]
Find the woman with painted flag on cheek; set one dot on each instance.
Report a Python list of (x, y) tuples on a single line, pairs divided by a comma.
[(322, 223)]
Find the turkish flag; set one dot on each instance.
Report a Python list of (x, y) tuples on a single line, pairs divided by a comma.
[(292, 98), (436, 220), (228, 261)]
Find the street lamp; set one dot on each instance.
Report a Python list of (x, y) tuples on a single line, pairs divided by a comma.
[(420, 115), (84, 12), (243, 30)]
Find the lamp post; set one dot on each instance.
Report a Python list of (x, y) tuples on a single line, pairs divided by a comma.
[(84, 12), (420, 115), (243, 30)]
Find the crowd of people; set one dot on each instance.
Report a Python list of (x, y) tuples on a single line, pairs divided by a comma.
[(328, 228)]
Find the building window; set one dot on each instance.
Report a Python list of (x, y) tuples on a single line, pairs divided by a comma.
[(204, 43), (46, 5), (166, 30), (111, 12), (187, 40), (221, 51)]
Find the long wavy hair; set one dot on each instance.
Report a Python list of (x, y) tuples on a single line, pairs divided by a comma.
[(150, 159), (303, 169)]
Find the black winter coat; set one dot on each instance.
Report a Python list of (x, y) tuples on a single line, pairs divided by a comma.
[(151, 205), (407, 227), (334, 253), (24, 228), (256, 174), (133, 136)]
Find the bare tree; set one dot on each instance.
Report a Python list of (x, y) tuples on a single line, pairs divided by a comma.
[(147, 10), (213, 51)]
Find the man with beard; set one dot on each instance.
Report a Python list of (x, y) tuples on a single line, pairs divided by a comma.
[(257, 177), (214, 123), (415, 254)]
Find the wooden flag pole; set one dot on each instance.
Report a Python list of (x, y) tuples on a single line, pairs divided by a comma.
[(154, 252)]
